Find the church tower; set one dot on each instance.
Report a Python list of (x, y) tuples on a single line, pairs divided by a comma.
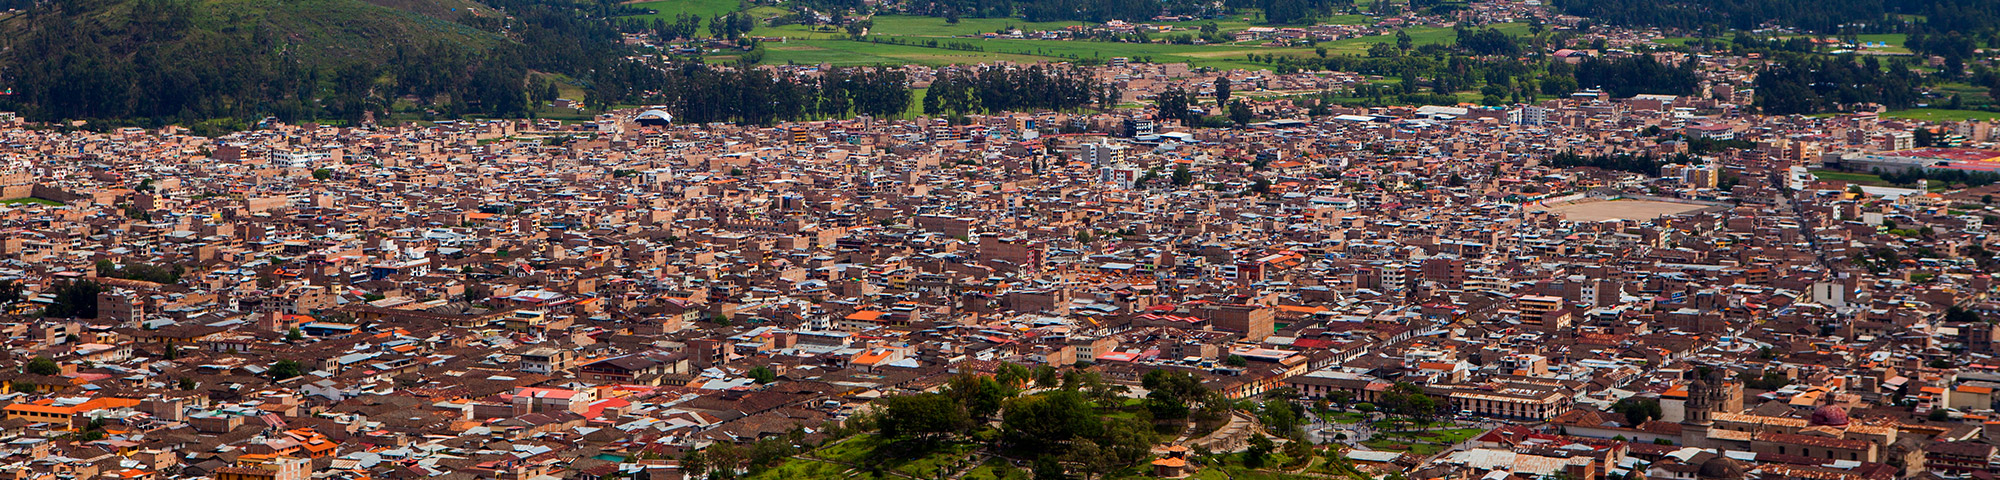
[(1706, 393)]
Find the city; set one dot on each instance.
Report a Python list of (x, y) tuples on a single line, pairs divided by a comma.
[(1163, 269)]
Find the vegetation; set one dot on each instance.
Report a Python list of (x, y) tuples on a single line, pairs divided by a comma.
[(286, 368), (42, 366), (1825, 16), (140, 272), (991, 89), (1805, 84), (75, 299), (1637, 410), (1643, 164)]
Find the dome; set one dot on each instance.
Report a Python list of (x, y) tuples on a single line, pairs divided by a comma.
[(655, 117), (1829, 415), (1720, 468)]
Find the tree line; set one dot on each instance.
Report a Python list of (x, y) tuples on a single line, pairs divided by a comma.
[(1823, 16), (699, 93), (166, 61), (961, 91), (1643, 164), (1806, 84)]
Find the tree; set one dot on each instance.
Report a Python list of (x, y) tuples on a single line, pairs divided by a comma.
[(923, 416), (1170, 393), (981, 396), (322, 174), (1047, 468), (1045, 421), (295, 335), (1236, 361), (1637, 410), (1239, 113), (1259, 451), (1047, 377), (188, 384), (286, 368), (694, 463), (1221, 90), (1171, 103), (1282, 416), (43, 366), (763, 374), (1182, 177), (1341, 397)]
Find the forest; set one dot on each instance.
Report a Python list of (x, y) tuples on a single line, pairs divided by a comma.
[(992, 89), (159, 64), (1822, 16), (697, 93), (1807, 84), (1281, 12)]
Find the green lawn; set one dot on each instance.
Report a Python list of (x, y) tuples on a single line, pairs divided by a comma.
[(908, 25), (1896, 42), (866, 449), (1422, 449), (1943, 115), (28, 200), (990, 470), (802, 469), (706, 9), (1851, 177), (943, 460), (1349, 418), (1418, 36)]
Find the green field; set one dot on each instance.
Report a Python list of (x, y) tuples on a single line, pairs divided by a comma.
[(1851, 177), (1418, 36), (804, 47), (1896, 42), (707, 9), (850, 52), (29, 200), (1943, 115)]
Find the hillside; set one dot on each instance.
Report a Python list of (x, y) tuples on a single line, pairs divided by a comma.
[(185, 61)]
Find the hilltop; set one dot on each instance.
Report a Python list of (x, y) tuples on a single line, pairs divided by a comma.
[(193, 60)]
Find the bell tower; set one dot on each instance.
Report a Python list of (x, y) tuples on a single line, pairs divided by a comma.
[(1705, 394)]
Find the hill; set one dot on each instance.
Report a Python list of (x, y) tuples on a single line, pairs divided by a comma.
[(187, 61)]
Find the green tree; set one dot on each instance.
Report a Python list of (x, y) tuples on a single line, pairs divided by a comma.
[(1221, 90), (1172, 103), (1047, 377), (1182, 177), (982, 396), (286, 368), (43, 366), (322, 174), (187, 383), (1259, 452), (1637, 410), (924, 416), (1044, 422), (763, 374), (295, 335), (1239, 113), (1170, 393)]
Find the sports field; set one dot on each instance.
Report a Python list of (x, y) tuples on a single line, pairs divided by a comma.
[(1619, 210)]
